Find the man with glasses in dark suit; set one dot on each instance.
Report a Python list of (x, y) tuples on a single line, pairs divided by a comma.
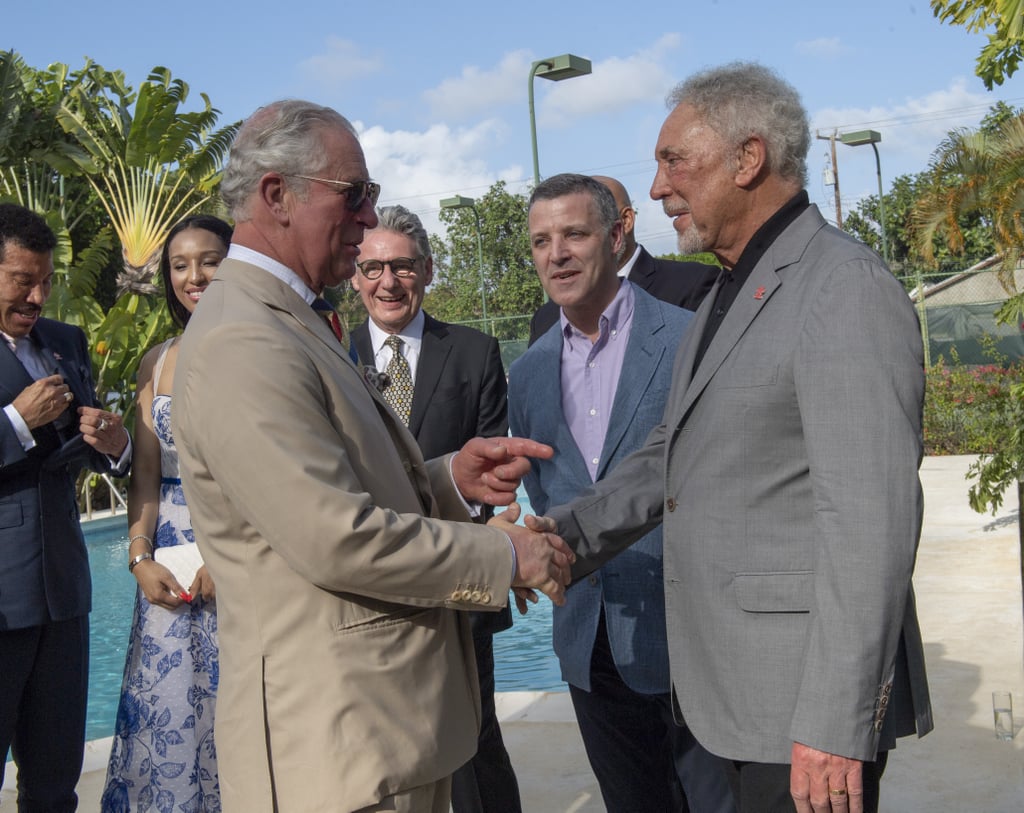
[(448, 384)]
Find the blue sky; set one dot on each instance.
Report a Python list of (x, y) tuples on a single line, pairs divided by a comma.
[(439, 92)]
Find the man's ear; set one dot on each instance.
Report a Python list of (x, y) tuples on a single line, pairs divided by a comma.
[(274, 194), (628, 217), (428, 271), (751, 161)]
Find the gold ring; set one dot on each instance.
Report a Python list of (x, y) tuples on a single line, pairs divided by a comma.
[(838, 792), (68, 396)]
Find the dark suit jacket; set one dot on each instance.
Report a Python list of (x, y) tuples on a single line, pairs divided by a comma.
[(44, 569), (459, 394), (682, 284), (629, 587)]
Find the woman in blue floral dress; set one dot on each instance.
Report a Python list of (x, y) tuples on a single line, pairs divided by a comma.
[(163, 757)]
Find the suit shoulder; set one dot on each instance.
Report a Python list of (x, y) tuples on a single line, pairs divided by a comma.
[(61, 329)]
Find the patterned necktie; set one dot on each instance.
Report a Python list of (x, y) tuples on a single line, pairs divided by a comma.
[(399, 393)]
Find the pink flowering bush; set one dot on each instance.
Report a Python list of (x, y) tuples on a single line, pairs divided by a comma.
[(971, 409)]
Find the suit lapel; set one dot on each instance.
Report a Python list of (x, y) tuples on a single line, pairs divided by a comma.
[(762, 283), (364, 347), (642, 272), (643, 354), (13, 376), (65, 359), (434, 351)]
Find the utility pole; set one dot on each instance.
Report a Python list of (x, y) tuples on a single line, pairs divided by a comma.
[(835, 175)]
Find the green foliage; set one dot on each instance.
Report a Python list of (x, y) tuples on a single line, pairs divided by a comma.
[(67, 137), (1000, 58), (976, 173), (967, 409), (864, 223), (705, 257), (509, 279)]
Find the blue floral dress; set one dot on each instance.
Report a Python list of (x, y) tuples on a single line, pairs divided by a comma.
[(163, 756)]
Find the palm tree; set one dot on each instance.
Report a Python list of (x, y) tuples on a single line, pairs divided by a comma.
[(976, 172), (149, 166)]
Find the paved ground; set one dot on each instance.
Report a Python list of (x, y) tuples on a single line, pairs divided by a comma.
[(969, 599)]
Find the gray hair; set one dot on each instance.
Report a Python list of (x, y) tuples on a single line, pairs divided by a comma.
[(743, 99), (286, 137), (558, 186), (401, 221)]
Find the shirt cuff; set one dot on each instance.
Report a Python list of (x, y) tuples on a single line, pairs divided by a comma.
[(474, 508), (120, 466), (20, 428)]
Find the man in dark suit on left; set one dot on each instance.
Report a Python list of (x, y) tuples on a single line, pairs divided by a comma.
[(457, 386), (51, 427)]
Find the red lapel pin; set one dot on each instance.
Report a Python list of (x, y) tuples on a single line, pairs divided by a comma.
[(759, 293)]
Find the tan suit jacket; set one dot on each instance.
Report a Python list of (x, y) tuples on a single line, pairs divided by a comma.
[(346, 673)]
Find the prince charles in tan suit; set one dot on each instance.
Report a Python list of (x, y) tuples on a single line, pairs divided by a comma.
[(347, 674)]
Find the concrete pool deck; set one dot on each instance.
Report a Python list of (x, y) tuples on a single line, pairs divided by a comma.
[(969, 600)]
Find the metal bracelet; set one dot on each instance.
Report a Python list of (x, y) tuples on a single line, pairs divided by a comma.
[(142, 557)]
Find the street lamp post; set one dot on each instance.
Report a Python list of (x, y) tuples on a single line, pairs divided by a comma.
[(555, 68), (462, 202), (872, 137)]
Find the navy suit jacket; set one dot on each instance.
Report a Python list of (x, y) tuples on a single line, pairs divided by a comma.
[(682, 284), (459, 394), (630, 585), (44, 569)]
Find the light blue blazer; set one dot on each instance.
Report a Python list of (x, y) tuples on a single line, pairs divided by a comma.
[(629, 586)]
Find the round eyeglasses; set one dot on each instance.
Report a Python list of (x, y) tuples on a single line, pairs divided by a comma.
[(402, 267), (355, 192)]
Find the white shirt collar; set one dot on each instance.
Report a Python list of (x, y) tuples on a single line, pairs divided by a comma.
[(412, 334), (624, 271), (272, 266)]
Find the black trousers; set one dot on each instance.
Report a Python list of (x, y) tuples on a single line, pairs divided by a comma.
[(44, 683), (761, 787), (644, 762), (487, 783)]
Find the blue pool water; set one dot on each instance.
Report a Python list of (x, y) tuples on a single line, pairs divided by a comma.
[(523, 659)]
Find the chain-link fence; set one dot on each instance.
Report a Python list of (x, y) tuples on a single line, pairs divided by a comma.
[(959, 312)]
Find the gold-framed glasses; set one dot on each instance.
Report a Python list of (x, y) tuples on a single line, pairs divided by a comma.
[(355, 192)]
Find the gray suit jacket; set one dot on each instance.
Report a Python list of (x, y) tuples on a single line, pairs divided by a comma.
[(629, 587), (786, 474)]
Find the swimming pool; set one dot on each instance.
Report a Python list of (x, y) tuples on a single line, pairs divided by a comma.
[(523, 659)]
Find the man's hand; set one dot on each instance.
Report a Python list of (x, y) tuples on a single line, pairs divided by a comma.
[(542, 560), (820, 782), (43, 401), (489, 470), (103, 430)]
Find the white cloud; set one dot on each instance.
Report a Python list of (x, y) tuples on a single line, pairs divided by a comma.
[(911, 130), (477, 90), (615, 85), (823, 47), (914, 126), (340, 62), (418, 168)]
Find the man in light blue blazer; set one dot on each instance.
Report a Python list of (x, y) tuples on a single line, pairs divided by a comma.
[(785, 470), (593, 386)]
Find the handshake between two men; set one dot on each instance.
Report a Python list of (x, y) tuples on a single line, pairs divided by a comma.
[(488, 471)]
